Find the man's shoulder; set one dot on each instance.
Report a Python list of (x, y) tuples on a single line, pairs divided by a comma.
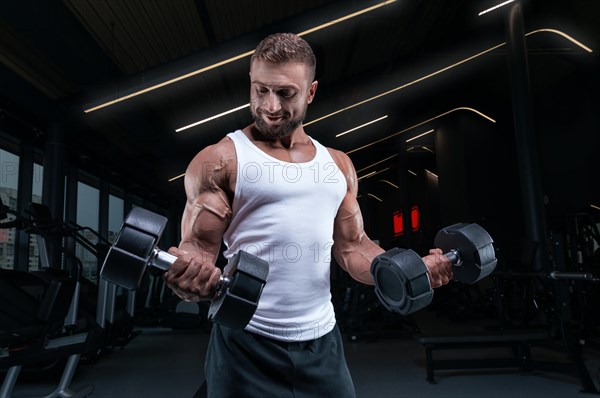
[(223, 149), (341, 159), (220, 155)]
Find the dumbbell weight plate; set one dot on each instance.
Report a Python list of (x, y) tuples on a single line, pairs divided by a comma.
[(235, 304), (401, 281), (476, 250), (128, 258)]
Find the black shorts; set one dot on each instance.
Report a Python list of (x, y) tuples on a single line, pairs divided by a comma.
[(244, 364)]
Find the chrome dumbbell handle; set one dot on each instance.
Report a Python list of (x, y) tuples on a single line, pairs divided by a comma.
[(161, 259), (454, 257)]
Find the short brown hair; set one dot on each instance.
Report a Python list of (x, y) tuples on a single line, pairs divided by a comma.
[(286, 47)]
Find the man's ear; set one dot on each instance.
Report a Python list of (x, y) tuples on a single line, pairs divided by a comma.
[(311, 91)]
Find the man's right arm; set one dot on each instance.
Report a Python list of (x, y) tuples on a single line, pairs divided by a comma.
[(209, 187)]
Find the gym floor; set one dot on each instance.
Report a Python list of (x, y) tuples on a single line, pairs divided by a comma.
[(161, 363)]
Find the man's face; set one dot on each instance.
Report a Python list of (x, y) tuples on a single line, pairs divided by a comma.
[(279, 96)]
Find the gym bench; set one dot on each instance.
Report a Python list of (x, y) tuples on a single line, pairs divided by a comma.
[(518, 341)]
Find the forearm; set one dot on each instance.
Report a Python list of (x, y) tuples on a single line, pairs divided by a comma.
[(203, 251), (356, 258), (193, 276)]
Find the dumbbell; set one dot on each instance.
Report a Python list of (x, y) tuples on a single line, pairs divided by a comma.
[(135, 250), (401, 278)]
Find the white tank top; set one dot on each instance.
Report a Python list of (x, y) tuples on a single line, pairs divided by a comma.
[(284, 212)]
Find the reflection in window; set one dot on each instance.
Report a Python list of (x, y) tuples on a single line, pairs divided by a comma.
[(9, 179), (115, 216), (36, 197), (88, 205)]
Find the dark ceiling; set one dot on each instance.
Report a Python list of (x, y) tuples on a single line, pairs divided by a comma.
[(62, 57)]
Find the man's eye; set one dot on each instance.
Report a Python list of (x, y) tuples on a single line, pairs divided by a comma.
[(262, 90), (287, 93)]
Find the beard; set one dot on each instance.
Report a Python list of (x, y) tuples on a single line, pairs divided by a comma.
[(278, 131)]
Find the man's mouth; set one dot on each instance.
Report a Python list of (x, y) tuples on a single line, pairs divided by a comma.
[(274, 119)]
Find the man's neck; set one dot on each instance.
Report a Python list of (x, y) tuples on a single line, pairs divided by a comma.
[(298, 136)]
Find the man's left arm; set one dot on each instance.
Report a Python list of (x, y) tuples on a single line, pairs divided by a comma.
[(355, 251), (352, 248)]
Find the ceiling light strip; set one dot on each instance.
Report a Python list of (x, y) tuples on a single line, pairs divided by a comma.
[(563, 34), (168, 82), (373, 173), (420, 124), (344, 18), (390, 183), (420, 135), (212, 117), (373, 196), (367, 175), (376, 163), (433, 174), (176, 177), (494, 7), (232, 59), (361, 126)]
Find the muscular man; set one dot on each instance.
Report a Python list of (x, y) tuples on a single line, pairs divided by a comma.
[(273, 191)]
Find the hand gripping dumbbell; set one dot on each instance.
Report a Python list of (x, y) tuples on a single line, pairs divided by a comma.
[(135, 250), (401, 277)]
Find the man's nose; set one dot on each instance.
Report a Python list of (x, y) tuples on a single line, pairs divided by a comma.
[(273, 102)]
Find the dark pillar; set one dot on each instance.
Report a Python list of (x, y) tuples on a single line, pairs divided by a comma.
[(451, 160), (71, 202), (526, 139), (103, 211), (405, 201), (54, 182), (25, 193)]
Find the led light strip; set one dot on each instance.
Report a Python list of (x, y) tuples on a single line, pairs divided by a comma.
[(373, 196), (376, 163), (361, 126), (420, 135), (595, 207), (390, 183), (420, 124), (433, 174), (494, 7), (563, 34), (232, 59), (212, 117), (373, 173), (412, 148), (168, 82), (176, 177), (342, 19)]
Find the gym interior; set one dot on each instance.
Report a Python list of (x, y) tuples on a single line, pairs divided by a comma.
[(463, 111)]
